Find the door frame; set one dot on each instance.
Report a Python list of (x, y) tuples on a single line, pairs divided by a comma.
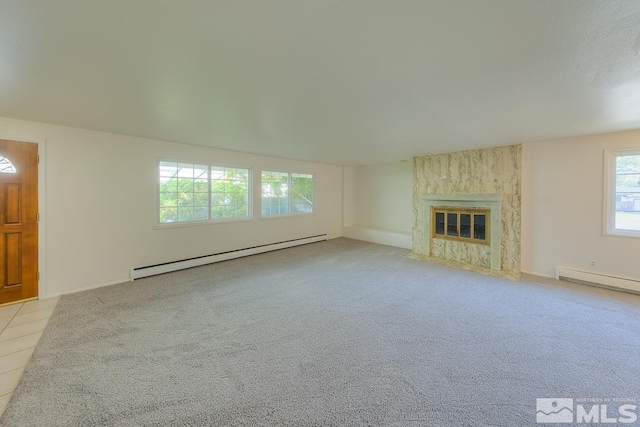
[(42, 205)]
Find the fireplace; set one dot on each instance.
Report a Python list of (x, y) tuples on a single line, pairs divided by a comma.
[(483, 212)]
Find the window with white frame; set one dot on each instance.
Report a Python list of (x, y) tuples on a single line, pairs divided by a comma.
[(622, 192), (287, 193), (189, 192)]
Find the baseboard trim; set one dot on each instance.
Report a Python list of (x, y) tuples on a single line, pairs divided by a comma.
[(395, 238), (154, 270), (598, 279), (531, 273), (86, 288)]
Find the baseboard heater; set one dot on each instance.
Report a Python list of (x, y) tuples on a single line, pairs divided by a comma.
[(167, 267), (596, 279)]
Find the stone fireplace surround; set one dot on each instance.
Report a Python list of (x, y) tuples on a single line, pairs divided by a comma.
[(491, 201)]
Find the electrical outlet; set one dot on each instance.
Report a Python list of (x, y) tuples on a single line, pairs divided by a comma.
[(592, 263)]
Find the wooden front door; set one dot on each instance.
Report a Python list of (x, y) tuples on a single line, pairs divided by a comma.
[(18, 221)]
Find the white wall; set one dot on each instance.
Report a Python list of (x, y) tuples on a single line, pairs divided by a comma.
[(383, 197), (349, 205), (100, 197), (99, 206), (562, 198)]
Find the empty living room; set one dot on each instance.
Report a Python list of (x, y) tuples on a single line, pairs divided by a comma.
[(319, 213)]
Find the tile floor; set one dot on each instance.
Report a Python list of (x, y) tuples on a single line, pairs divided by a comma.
[(21, 326)]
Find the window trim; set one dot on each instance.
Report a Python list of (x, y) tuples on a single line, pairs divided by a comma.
[(609, 194), (209, 220), (289, 214)]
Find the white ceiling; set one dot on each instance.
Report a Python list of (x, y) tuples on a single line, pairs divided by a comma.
[(337, 81)]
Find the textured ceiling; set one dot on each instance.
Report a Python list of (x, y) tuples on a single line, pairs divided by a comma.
[(336, 81)]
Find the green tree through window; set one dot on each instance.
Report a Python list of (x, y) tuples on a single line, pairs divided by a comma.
[(229, 192), (275, 193), (285, 193), (194, 192), (301, 193)]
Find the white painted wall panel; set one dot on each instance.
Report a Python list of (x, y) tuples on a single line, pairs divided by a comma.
[(384, 196), (562, 197), (377, 203)]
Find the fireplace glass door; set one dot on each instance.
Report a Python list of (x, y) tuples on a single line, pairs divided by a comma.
[(467, 225)]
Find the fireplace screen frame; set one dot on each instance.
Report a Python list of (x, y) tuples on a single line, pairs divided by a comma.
[(491, 201), (447, 211)]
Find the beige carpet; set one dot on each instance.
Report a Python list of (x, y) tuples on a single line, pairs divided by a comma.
[(333, 333)]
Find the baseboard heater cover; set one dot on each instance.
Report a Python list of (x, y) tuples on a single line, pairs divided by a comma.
[(596, 279), (168, 267)]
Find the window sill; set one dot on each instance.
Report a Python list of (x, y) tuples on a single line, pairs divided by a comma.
[(623, 233), (168, 225), (283, 216)]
